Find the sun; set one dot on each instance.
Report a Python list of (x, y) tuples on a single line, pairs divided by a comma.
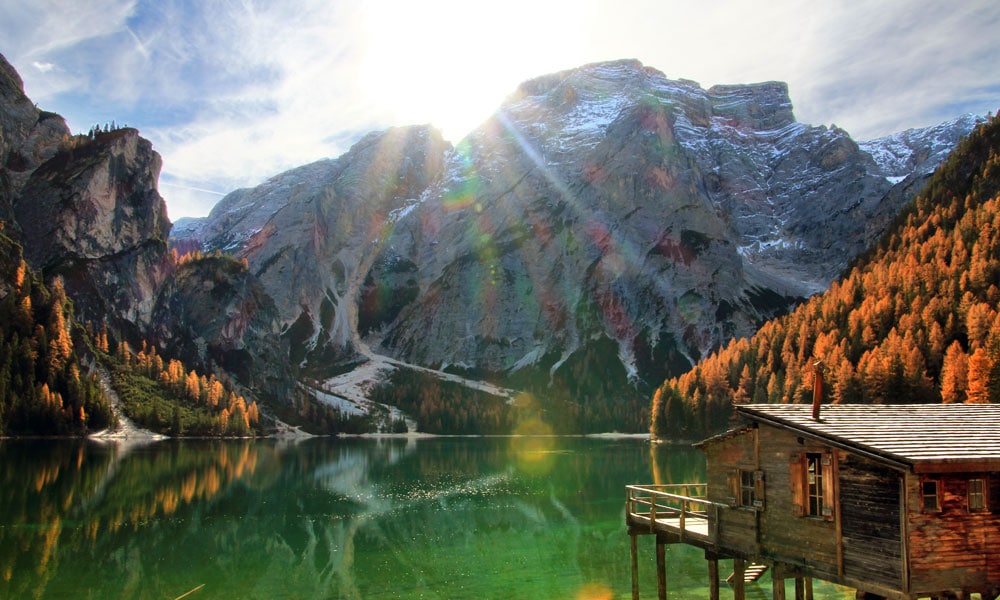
[(452, 62)]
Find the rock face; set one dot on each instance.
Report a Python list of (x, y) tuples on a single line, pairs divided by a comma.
[(86, 208), (92, 214), (310, 235), (213, 311), (28, 137), (606, 225)]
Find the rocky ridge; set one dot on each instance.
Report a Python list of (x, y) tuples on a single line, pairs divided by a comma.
[(606, 228), (606, 225)]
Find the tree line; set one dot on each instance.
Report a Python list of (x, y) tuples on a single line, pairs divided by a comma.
[(164, 396)]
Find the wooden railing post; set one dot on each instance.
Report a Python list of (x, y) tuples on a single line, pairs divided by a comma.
[(652, 514), (684, 509)]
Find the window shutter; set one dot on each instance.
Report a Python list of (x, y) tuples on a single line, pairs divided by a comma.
[(733, 485), (829, 484), (797, 470), (993, 495), (758, 490)]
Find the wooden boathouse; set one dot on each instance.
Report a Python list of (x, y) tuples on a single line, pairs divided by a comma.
[(895, 501)]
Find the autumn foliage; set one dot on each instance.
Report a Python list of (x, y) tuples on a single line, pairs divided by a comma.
[(165, 396), (43, 390), (914, 320)]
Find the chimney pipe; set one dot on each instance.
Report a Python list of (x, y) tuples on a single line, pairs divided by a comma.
[(817, 388)]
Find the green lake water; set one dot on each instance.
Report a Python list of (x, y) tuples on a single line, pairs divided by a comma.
[(437, 518)]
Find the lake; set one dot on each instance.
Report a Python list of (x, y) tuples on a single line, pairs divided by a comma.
[(437, 518)]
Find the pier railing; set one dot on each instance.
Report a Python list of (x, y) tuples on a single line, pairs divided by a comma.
[(683, 509)]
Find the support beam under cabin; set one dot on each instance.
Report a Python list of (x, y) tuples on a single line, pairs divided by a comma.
[(803, 588), (633, 546), (661, 568), (713, 577), (739, 583)]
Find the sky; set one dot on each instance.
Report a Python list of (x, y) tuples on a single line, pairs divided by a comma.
[(231, 92)]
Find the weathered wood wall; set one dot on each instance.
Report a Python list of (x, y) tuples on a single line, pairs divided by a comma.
[(809, 542), (953, 548), (737, 526), (870, 506), (798, 541)]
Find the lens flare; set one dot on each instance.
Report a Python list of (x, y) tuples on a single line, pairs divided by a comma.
[(595, 591), (533, 442)]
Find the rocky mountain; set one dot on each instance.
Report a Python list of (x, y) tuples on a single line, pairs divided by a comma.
[(606, 228), (85, 208), (606, 225), (311, 235)]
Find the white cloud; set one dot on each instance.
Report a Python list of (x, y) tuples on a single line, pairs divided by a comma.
[(233, 92)]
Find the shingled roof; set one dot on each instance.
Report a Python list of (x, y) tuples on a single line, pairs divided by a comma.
[(925, 438)]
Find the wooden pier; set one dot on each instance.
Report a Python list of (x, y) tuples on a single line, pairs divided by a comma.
[(682, 514)]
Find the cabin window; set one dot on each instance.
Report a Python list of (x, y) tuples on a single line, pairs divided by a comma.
[(977, 495), (750, 492), (929, 493), (747, 488), (813, 484)]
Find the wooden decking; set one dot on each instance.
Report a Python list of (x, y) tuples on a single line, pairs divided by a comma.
[(680, 512)]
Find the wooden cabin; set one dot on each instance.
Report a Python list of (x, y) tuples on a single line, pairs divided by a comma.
[(896, 501)]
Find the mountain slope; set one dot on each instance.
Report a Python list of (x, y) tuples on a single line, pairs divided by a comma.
[(605, 229), (914, 320)]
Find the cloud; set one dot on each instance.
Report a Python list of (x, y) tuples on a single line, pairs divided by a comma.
[(233, 92), (901, 64)]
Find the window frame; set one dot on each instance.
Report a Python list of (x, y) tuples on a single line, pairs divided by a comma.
[(924, 495), (983, 504), (746, 489), (813, 485)]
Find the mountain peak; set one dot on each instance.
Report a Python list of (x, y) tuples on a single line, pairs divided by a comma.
[(761, 106)]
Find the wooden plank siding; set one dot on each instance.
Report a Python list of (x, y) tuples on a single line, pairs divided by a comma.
[(737, 527), (953, 548), (802, 541), (805, 542), (870, 506)]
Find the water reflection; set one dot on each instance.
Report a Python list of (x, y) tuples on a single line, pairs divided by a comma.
[(365, 518)]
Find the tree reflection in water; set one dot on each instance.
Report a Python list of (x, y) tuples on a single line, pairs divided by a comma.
[(326, 518)]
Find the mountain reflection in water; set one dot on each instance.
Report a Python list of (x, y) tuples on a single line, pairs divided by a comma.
[(331, 518)]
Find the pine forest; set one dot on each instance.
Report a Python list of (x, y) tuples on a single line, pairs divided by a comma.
[(913, 320)]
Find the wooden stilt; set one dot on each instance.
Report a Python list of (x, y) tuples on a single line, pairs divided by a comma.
[(713, 577), (808, 582), (800, 589), (635, 565), (739, 585), (661, 569), (777, 587)]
